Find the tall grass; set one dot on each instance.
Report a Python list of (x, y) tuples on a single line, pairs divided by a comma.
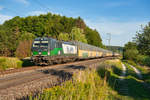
[(85, 85), (136, 85), (130, 71), (115, 65), (7, 62), (101, 84)]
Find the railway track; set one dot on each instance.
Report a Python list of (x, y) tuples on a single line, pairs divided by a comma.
[(19, 84)]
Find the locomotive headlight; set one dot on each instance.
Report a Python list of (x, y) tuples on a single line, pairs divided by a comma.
[(48, 53), (39, 53)]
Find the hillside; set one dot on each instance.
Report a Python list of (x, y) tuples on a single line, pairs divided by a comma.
[(21, 29)]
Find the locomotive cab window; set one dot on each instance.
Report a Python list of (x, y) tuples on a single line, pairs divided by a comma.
[(36, 44), (44, 44), (40, 44)]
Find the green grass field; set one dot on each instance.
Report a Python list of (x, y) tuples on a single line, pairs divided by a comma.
[(101, 84), (145, 71), (136, 85)]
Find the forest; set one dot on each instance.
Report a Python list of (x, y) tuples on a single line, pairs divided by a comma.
[(16, 34)]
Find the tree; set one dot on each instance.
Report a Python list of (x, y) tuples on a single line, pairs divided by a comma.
[(143, 40), (24, 49), (4, 51), (80, 23), (24, 45), (26, 36), (64, 36), (93, 37), (77, 35), (130, 51), (139, 50)]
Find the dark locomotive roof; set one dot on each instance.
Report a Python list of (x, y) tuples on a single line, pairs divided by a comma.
[(82, 46), (41, 38), (69, 43)]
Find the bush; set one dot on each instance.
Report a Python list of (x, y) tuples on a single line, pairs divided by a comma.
[(147, 61), (6, 63), (2, 64), (143, 60), (131, 54), (140, 59), (24, 49), (130, 51)]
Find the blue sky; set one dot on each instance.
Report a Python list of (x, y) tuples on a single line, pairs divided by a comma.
[(121, 18)]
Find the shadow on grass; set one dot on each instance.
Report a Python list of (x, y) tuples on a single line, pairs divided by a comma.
[(116, 70), (131, 72), (76, 67), (135, 88), (146, 78)]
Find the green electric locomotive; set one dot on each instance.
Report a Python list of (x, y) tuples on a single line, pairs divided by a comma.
[(48, 51)]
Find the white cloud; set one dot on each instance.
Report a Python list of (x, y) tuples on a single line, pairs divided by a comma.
[(23, 1), (122, 32), (36, 13), (3, 18)]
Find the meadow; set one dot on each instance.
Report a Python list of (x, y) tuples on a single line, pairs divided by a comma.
[(89, 84)]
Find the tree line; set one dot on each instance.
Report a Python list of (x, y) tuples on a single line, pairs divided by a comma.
[(139, 49), (16, 34)]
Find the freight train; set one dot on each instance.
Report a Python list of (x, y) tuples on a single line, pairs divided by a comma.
[(49, 51)]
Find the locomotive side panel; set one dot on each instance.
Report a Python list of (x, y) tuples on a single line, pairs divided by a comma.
[(83, 53)]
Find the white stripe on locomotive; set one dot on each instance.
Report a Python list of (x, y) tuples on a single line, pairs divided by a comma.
[(69, 49)]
